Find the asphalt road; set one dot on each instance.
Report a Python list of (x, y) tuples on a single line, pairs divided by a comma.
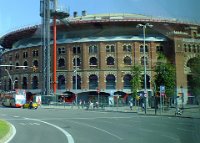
[(80, 126)]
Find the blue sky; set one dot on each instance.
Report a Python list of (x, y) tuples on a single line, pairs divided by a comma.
[(16, 14)]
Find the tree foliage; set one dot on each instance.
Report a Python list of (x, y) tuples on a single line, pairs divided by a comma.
[(136, 80), (165, 75)]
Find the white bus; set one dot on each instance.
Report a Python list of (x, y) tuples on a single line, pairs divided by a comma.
[(15, 98)]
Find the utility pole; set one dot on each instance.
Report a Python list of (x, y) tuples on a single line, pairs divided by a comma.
[(144, 26)]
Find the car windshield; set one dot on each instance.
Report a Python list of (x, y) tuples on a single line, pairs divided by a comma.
[(103, 71)]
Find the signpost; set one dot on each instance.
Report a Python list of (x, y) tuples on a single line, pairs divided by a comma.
[(162, 94)]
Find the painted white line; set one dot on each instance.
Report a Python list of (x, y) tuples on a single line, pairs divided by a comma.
[(36, 124), (12, 133), (16, 116), (102, 130), (69, 137)]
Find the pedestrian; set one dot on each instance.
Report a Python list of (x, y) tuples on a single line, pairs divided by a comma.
[(30, 104), (143, 106), (131, 105)]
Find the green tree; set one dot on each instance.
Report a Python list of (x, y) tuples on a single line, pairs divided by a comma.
[(136, 80), (165, 75)]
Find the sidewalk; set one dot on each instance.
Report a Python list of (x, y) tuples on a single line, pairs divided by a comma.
[(188, 112)]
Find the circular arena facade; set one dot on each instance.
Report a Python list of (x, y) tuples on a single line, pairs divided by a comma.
[(99, 50)]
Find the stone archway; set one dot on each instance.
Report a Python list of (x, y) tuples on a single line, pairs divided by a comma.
[(191, 62)]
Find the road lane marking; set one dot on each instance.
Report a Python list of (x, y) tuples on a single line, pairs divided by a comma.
[(16, 116), (13, 129), (36, 124), (68, 136), (85, 118), (102, 130)]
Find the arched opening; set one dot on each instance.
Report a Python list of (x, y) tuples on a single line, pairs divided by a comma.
[(35, 82), (24, 83), (78, 62), (77, 83), (127, 81), (93, 61), (93, 82), (61, 82), (35, 63), (110, 61), (61, 62), (193, 81), (110, 82), (127, 60), (16, 83)]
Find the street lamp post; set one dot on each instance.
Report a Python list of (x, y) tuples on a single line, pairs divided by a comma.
[(76, 83), (13, 82), (144, 26)]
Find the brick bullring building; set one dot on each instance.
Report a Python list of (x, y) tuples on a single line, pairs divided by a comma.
[(99, 51)]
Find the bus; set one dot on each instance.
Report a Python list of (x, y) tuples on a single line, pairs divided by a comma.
[(15, 98)]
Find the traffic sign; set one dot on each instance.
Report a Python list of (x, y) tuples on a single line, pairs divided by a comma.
[(162, 89)]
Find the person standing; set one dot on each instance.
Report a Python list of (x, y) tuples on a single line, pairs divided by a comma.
[(131, 105)]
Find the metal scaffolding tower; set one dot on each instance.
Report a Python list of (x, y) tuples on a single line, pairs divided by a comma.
[(48, 10), (45, 14)]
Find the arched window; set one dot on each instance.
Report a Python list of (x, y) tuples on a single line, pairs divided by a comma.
[(127, 48), (142, 61), (77, 50), (35, 82), (78, 62), (93, 61), (61, 82), (16, 83), (110, 82), (26, 63), (127, 81), (35, 63), (189, 48), (77, 83), (142, 49), (110, 48), (61, 50), (93, 82), (110, 61), (93, 49), (61, 62), (24, 83), (127, 60), (17, 64), (194, 49)]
